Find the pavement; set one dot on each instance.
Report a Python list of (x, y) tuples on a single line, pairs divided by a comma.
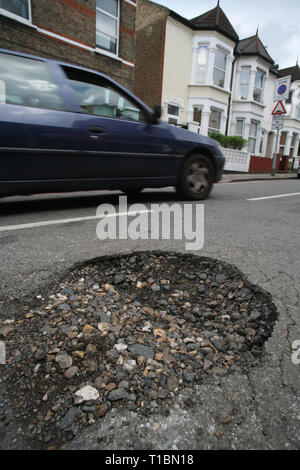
[(251, 226), (231, 177)]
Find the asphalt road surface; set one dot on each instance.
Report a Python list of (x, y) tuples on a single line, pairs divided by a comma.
[(252, 225)]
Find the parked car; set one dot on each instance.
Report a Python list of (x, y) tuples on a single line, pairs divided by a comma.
[(67, 128), (298, 171)]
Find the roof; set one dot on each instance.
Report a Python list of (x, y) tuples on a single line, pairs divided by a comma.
[(215, 19), (293, 71), (254, 46)]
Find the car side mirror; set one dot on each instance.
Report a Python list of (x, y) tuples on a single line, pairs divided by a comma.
[(156, 114)]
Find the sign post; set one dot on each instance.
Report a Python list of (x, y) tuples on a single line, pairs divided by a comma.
[(282, 92), (277, 123), (274, 164)]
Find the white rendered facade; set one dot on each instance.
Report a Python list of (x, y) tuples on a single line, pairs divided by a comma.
[(197, 75), (207, 88), (251, 112)]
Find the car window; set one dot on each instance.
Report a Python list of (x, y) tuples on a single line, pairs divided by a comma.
[(96, 96), (28, 82)]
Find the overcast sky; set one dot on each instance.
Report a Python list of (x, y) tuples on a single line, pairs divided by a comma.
[(278, 21)]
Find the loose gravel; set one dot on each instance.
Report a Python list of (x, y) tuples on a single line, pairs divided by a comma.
[(128, 332)]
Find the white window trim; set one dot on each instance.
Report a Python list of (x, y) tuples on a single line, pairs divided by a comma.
[(199, 45), (173, 116), (220, 49), (130, 3), (18, 18), (99, 49), (262, 88), (248, 83), (107, 53), (243, 129), (200, 107), (221, 111), (255, 138)]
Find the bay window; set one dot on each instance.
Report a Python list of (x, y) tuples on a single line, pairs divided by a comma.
[(107, 25), (16, 8)]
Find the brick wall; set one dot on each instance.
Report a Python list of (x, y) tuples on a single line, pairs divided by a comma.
[(149, 56), (74, 20)]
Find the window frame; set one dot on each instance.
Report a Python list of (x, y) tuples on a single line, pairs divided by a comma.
[(21, 19), (262, 87), (173, 117), (218, 68), (89, 77), (200, 109), (242, 120), (253, 138), (117, 18), (220, 111), (242, 83), (202, 68), (52, 80)]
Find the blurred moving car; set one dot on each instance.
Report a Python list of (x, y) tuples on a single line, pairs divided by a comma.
[(68, 128)]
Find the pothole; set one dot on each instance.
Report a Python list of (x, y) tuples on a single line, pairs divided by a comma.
[(127, 331)]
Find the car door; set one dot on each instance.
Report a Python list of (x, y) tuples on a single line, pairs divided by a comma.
[(115, 135), (38, 140)]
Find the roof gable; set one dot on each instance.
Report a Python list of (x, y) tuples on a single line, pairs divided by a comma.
[(293, 71), (215, 19), (254, 46)]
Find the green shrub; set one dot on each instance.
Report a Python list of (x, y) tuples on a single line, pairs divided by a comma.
[(228, 141)]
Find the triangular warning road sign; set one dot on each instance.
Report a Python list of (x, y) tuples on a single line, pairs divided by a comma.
[(279, 109)]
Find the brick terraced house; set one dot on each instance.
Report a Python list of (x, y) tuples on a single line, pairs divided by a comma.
[(98, 34)]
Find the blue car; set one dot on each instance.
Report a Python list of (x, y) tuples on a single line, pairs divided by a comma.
[(68, 128)]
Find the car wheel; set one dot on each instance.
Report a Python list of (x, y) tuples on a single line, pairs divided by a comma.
[(196, 178)]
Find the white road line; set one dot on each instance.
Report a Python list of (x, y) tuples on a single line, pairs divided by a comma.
[(273, 197), (67, 221)]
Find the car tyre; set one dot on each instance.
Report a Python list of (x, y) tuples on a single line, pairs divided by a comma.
[(196, 178)]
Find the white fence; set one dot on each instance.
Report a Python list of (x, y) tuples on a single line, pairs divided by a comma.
[(236, 160)]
